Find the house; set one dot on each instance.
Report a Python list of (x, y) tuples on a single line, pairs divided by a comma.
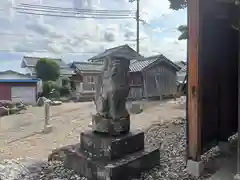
[(29, 63), (18, 87), (183, 71), (149, 77), (85, 77), (122, 51), (182, 77), (152, 77), (9, 74)]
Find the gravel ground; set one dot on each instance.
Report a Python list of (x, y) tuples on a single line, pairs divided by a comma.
[(170, 137)]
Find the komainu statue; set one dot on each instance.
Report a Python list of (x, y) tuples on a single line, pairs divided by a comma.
[(112, 90)]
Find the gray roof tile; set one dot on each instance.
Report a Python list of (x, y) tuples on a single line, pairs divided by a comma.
[(120, 51), (32, 61), (139, 65), (86, 66), (64, 68)]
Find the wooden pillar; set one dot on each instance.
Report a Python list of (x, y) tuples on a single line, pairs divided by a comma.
[(193, 100)]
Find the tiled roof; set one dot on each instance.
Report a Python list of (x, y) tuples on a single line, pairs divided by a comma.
[(64, 68), (32, 61), (12, 72), (182, 65), (121, 51), (139, 65), (66, 71), (86, 66), (63, 71)]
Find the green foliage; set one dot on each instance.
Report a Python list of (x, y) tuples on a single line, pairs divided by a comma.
[(73, 85), (178, 4), (184, 32), (65, 81), (50, 89), (65, 91), (47, 70)]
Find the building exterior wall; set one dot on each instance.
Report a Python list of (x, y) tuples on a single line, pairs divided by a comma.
[(85, 85), (5, 89), (136, 91), (160, 80)]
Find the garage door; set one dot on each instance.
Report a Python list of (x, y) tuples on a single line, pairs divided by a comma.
[(26, 95)]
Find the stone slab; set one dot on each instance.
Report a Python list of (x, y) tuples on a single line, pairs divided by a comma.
[(104, 147), (122, 169), (110, 126)]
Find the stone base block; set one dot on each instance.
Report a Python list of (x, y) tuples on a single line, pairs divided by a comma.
[(47, 129), (110, 126), (195, 168), (122, 169), (105, 148)]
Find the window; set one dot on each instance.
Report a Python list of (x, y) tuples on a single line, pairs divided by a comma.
[(90, 79)]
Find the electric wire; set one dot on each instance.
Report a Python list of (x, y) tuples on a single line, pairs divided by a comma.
[(66, 16), (72, 12), (73, 9), (22, 9)]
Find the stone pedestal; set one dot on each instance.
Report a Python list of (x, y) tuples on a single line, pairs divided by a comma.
[(103, 157), (110, 126)]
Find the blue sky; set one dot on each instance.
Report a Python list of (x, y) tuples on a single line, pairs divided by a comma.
[(78, 39)]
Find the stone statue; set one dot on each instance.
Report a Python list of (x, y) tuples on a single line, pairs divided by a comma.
[(112, 90)]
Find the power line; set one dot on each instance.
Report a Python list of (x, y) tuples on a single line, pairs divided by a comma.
[(74, 9), (72, 12), (80, 17)]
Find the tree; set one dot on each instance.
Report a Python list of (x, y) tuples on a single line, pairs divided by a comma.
[(176, 5), (184, 32), (47, 70)]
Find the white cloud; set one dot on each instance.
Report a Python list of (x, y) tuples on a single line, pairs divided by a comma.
[(62, 35)]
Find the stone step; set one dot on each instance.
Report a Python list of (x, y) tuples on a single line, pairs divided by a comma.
[(105, 148), (131, 165)]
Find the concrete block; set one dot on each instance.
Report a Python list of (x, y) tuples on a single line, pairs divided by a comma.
[(131, 165), (135, 108), (103, 147), (195, 168), (47, 129)]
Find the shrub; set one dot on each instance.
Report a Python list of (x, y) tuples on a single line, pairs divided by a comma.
[(50, 88), (64, 91)]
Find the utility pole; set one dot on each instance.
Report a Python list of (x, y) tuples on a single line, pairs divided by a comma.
[(137, 18)]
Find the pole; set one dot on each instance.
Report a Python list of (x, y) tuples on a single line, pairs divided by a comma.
[(137, 18), (47, 128), (46, 114)]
